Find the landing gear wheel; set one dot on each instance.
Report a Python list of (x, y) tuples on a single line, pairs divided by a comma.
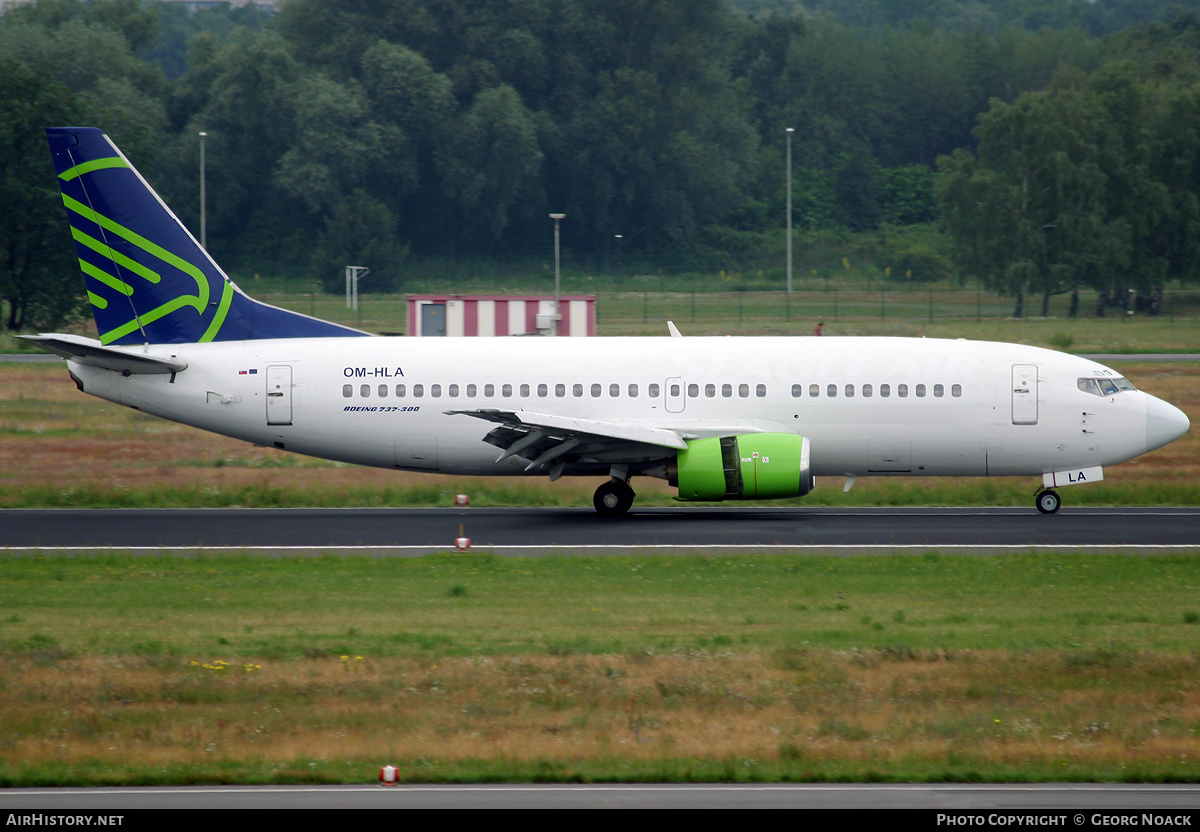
[(613, 498), (1048, 502)]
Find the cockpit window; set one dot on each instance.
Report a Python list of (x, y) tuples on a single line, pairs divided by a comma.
[(1104, 386)]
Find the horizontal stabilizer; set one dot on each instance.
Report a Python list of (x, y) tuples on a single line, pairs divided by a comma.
[(93, 354)]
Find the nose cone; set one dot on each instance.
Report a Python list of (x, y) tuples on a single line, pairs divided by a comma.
[(1164, 423)]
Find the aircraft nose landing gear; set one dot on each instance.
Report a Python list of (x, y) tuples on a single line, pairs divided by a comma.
[(613, 498), (1048, 502)]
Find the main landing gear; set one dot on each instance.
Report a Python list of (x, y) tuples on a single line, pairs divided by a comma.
[(1048, 502), (613, 498)]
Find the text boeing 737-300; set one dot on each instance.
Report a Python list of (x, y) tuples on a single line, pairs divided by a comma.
[(718, 418)]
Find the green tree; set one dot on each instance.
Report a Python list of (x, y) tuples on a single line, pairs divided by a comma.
[(415, 108), (179, 25), (39, 277), (76, 52), (336, 146), (63, 63), (359, 232), (135, 22), (1175, 162), (256, 220), (1031, 212), (856, 191), (491, 164)]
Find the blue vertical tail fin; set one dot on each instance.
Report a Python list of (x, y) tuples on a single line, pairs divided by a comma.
[(148, 280)]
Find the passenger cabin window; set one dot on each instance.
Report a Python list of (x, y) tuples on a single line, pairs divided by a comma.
[(814, 390), (524, 391), (633, 391), (614, 391), (418, 390), (506, 391), (577, 390), (471, 390), (744, 391), (727, 390), (867, 391), (347, 390), (489, 390), (365, 391), (761, 391), (453, 391), (595, 391), (920, 391), (710, 390), (653, 391), (401, 391), (956, 390), (560, 390), (831, 391), (938, 391), (797, 390), (383, 391), (693, 390), (435, 390), (885, 390), (902, 390), (849, 391), (543, 391)]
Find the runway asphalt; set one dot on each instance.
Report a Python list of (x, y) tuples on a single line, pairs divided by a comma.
[(1069, 804), (422, 530)]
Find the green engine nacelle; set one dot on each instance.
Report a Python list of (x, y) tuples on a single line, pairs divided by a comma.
[(753, 466)]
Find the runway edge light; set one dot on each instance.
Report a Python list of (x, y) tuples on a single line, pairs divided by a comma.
[(461, 500), (388, 776)]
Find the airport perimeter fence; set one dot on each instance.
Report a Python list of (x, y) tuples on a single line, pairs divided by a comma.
[(631, 291), (905, 311), (899, 306), (633, 299)]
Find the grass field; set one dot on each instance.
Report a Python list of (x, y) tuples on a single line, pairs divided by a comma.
[(120, 669), (1036, 667)]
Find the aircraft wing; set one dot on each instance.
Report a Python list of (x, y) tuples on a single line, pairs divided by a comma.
[(547, 440), (92, 353)]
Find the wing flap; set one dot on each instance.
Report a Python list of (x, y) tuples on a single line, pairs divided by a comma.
[(589, 427), (543, 439)]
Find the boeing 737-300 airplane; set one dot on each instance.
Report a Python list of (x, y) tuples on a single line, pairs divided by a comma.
[(718, 418)]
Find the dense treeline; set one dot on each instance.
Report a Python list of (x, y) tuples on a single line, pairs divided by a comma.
[(370, 130), (1096, 17), (1093, 182)]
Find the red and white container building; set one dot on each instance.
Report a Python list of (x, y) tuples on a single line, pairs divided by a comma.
[(489, 315)]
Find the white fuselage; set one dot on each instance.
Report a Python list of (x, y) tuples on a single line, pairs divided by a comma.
[(882, 406)]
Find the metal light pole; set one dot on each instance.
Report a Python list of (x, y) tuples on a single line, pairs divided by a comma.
[(557, 317), (620, 238), (203, 198), (353, 275), (789, 131)]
